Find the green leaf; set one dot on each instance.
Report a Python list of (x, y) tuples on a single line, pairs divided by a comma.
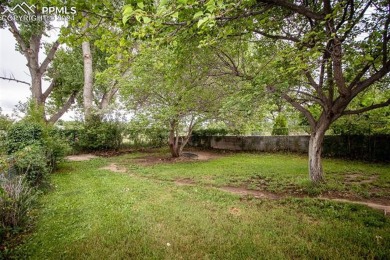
[(127, 13), (198, 14), (141, 5), (210, 6), (146, 19), (127, 9), (202, 21), (368, 57), (175, 15)]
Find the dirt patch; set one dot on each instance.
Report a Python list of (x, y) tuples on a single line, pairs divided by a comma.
[(268, 195), (235, 211), (386, 209), (185, 182), (114, 168), (81, 157), (152, 160), (359, 178), (192, 156), (112, 153), (245, 192)]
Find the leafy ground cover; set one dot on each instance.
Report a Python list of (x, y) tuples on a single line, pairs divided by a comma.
[(96, 211)]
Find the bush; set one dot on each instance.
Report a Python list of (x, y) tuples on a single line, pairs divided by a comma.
[(16, 200), (32, 162), (22, 134), (280, 126), (210, 132), (5, 124), (35, 149), (151, 136), (99, 135)]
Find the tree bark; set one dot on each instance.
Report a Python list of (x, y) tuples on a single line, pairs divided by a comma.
[(315, 164), (54, 118), (316, 172), (88, 80), (173, 141), (173, 145)]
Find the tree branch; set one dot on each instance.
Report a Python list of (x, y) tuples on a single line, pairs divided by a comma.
[(54, 118), (16, 80), (359, 76), (296, 8), (362, 85), (354, 23), (14, 30), (49, 57), (47, 92), (277, 37), (359, 111), (317, 87), (301, 109)]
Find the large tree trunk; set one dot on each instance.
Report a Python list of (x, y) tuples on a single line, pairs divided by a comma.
[(36, 88), (316, 172), (88, 80), (315, 164), (175, 146), (173, 141)]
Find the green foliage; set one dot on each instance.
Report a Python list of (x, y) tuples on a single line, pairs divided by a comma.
[(16, 200), (372, 123), (32, 162), (26, 132), (36, 147), (66, 72), (97, 135), (210, 132), (280, 127), (22, 134), (5, 123), (142, 132)]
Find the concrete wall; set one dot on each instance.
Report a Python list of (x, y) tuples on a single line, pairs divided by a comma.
[(253, 143), (371, 148)]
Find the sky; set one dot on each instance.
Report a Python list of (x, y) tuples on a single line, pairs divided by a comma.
[(14, 63)]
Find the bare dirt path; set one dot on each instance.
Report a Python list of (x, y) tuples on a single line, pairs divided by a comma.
[(80, 157), (274, 196)]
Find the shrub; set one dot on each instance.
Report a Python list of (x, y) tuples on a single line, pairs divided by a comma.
[(210, 132), (32, 162), (5, 123), (99, 135), (280, 126), (16, 200), (35, 148), (22, 134), (149, 136)]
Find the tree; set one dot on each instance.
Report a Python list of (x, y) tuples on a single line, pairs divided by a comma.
[(105, 57), (28, 35), (175, 88), (65, 73), (327, 53)]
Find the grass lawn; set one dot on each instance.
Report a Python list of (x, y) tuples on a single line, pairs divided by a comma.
[(94, 213)]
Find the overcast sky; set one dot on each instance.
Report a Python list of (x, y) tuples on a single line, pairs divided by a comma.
[(14, 63)]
